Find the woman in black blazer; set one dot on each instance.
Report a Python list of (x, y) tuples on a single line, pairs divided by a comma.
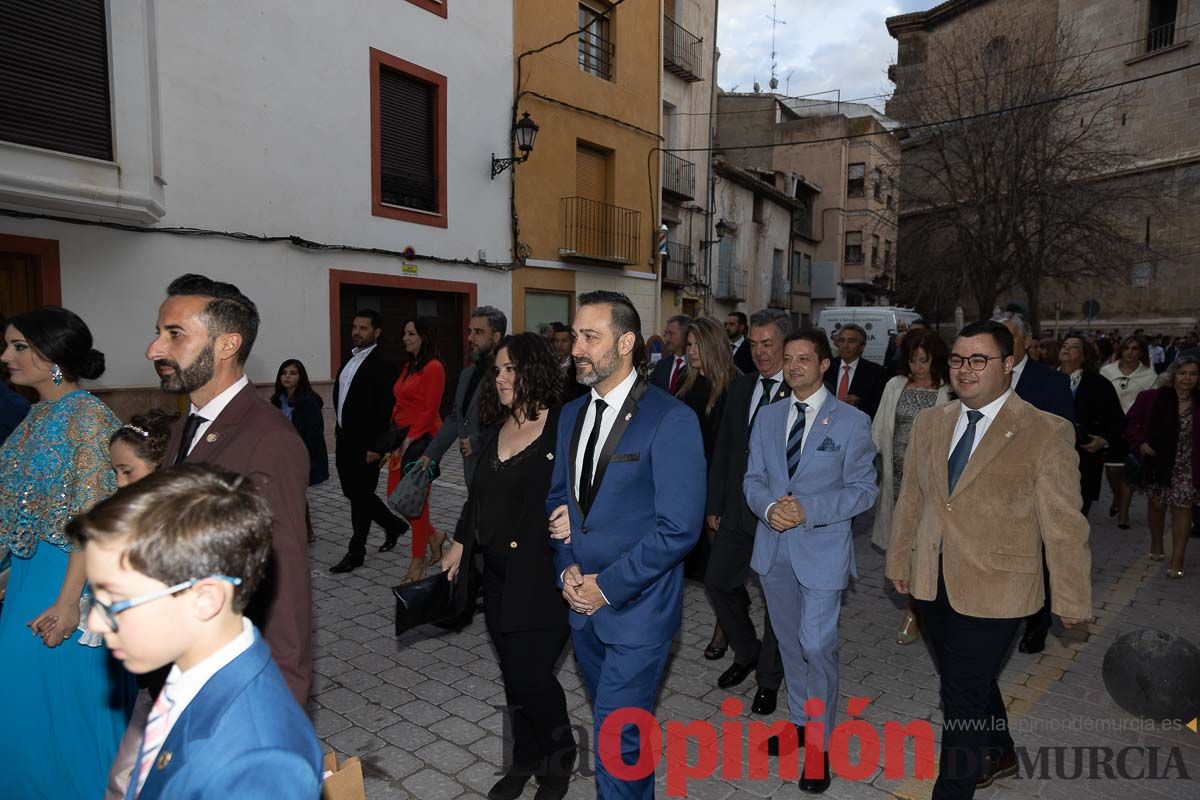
[(506, 518), (294, 396), (1099, 420)]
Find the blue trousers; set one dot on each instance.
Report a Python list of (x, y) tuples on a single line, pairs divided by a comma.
[(619, 676)]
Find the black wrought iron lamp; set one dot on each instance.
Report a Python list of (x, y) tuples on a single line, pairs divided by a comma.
[(722, 229), (525, 133)]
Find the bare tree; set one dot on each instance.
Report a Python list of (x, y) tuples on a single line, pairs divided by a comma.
[(1008, 177)]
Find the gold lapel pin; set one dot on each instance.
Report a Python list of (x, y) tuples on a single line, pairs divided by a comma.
[(825, 421), (164, 758), (212, 437), (782, 393)]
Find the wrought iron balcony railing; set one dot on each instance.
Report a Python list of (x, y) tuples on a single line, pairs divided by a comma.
[(679, 265), (679, 176), (1161, 37), (682, 52), (600, 231), (731, 283)]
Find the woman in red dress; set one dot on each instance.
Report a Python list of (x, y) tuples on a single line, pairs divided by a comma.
[(418, 395)]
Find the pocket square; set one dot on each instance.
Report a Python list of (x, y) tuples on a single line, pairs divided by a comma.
[(626, 457), (829, 446)]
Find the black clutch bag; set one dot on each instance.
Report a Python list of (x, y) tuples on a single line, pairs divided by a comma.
[(434, 599)]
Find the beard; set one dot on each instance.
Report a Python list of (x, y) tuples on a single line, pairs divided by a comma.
[(600, 370), (185, 380)]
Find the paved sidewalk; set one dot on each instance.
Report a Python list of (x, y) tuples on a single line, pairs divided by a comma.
[(422, 711)]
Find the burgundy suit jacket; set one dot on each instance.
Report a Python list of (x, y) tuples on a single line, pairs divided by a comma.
[(251, 437)]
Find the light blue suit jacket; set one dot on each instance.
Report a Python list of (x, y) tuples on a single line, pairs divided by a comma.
[(646, 515), (243, 736), (834, 481)]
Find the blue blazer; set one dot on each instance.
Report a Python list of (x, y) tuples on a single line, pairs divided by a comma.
[(1046, 390), (243, 736), (645, 517), (834, 482)]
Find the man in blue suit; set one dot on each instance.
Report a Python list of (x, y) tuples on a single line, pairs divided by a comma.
[(811, 470), (626, 504)]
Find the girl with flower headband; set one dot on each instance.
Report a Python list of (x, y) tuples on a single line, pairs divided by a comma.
[(136, 449)]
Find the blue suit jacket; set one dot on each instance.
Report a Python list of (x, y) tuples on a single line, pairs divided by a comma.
[(242, 736), (1046, 390), (645, 517), (834, 481)]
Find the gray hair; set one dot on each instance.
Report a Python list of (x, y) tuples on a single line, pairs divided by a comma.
[(495, 317), (1176, 365), (1016, 317), (772, 316), (859, 329), (682, 320)]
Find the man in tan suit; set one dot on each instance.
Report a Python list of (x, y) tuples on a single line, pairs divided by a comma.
[(988, 480)]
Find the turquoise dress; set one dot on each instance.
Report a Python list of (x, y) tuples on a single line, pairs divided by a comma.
[(64, 708)]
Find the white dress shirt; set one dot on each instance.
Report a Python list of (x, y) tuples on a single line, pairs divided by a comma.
[(182, 687), (213, 408), (613, 400), (853, 365), (676, 368), (814, 402), (734, 345), (756, 395), (989, 413), (357, 356), (1017, 370)]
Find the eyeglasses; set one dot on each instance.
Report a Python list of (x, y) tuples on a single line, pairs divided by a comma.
[(110, 612), (977, 362)]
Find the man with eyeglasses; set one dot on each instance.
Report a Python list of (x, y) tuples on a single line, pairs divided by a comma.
[(991, 485), (852, 378)]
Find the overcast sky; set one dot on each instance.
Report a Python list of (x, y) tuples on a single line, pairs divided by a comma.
[(826, 44)]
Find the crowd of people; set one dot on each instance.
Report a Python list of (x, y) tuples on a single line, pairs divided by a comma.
[(601, 468)]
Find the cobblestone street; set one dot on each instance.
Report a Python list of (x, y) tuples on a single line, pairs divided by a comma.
[(422, 711)]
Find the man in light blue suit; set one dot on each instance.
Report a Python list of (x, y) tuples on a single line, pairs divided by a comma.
[(626, 504), (811, 470)]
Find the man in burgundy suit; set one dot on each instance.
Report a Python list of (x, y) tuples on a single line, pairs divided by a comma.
[(205, 331)]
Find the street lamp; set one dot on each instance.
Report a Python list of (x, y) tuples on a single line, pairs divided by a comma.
[(525, 132), (722, 229)]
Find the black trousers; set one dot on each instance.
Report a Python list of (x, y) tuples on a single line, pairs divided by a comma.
[(542, 741), (725, 584), (359, 481), (970, 652)]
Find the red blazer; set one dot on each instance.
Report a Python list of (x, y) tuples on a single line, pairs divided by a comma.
[(1153, 419), (252, 438), (419, 398)]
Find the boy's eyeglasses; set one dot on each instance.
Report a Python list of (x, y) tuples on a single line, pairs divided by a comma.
[(110, 612)]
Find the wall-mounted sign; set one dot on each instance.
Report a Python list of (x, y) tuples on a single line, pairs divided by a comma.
[(409, 269)]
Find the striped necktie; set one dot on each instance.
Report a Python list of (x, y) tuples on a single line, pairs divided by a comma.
[(796, 439), (157, 726)]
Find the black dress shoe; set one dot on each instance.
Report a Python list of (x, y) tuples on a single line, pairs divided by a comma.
[(734, 675), (816, 785), (1034, 639), (773, 741), (347, 564), (391, 537), (509, 787), (764, 701), (714, 653), (996, 768)]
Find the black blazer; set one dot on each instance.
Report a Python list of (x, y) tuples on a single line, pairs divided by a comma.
[(732, 450), (310, 424), (1097, 413), (867, 384), (1046, 390), (530, 598), (742, 359), (710, 423), (368, 408)]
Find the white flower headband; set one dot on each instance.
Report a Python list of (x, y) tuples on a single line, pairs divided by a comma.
[(142, 432)]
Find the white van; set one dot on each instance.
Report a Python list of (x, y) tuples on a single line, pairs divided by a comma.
[(880, 322)]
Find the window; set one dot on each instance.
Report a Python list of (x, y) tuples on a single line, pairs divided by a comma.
[(542, 308), (874, 250), (887, 253), (436, 6), (408, 141), (806, 272), (877, 180), (1140, 278), (54, 77), (759, 212), (1160, 27), (891, 193), (854, 250), (595, 42), (856, 178)]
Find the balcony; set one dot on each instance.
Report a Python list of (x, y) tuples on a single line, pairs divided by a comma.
[(860, 272), (599, 231), (682, 55), (1160, 38), (678, 270), (731, 283), (679, 177), (781, 293)]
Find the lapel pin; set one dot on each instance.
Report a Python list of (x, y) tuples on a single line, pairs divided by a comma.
[(629, 416), (782, 394), (1008, 435), (212, 437), (825, 421), (163, 759), (549, 456)]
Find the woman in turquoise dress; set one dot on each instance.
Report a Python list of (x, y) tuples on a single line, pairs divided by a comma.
[(65, 698)]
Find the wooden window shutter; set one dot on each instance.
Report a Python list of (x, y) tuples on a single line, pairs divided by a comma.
[(54, 89), (591, 174), (407, 149)]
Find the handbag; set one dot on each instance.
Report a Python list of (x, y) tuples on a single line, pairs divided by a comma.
[(408, 498), (433, 599)]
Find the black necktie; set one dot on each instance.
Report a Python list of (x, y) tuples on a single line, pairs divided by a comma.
[(194, 421), (589, 454), (768, 388)]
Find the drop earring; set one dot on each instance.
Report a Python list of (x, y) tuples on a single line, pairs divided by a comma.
[(56, 375)]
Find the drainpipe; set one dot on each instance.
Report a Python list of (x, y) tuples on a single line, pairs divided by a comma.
[(712, 184)]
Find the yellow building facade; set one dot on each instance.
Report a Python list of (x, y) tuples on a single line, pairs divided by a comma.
[(587, 199)]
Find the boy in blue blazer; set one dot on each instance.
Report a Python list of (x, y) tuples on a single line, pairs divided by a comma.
[(172, 561)]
